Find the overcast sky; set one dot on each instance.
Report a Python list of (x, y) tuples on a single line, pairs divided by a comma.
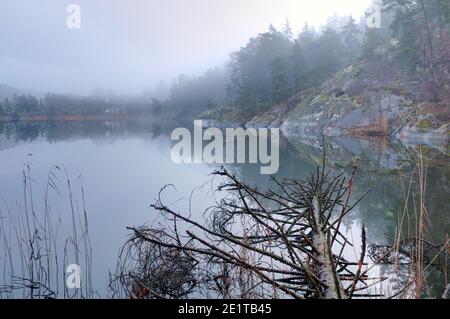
[(128, 45)]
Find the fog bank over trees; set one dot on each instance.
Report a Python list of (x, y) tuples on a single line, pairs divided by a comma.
[(130, 46), (276, 64)]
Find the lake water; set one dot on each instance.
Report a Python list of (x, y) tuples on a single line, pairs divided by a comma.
[(123, 165)]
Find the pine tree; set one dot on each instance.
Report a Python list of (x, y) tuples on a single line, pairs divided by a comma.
[(298, 67), (261, 72), (280, 83), (330, 53), (421, 28), (309, 50), (287, 31), (272, 29), (350, 35)]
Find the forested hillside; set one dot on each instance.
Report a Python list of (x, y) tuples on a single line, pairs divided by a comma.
[(277, 64)]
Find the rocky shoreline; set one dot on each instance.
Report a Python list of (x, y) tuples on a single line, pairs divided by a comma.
[(354, 102)]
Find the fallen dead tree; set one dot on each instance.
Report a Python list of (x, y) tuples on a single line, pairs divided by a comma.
[(281, 243)]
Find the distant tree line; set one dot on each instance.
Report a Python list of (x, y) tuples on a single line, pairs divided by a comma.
[(193, 95), (60, 104)]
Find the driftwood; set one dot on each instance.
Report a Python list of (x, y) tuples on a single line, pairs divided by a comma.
[(282, 243)]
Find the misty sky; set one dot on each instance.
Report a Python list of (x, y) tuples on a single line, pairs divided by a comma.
[(129, 45)]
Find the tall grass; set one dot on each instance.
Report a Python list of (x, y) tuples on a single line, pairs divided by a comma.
[(34, 251), (414, 256)]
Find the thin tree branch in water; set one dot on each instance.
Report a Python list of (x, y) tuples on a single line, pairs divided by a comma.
[(255, 244)]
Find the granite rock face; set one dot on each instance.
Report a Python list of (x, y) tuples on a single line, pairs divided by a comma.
[(358, 99)]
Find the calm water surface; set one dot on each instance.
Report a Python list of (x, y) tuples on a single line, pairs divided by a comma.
[(122, 167)]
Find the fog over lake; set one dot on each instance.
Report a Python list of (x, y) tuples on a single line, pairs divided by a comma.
[(226, 149)]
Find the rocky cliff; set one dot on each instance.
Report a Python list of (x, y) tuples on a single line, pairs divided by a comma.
[(362, 100)]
